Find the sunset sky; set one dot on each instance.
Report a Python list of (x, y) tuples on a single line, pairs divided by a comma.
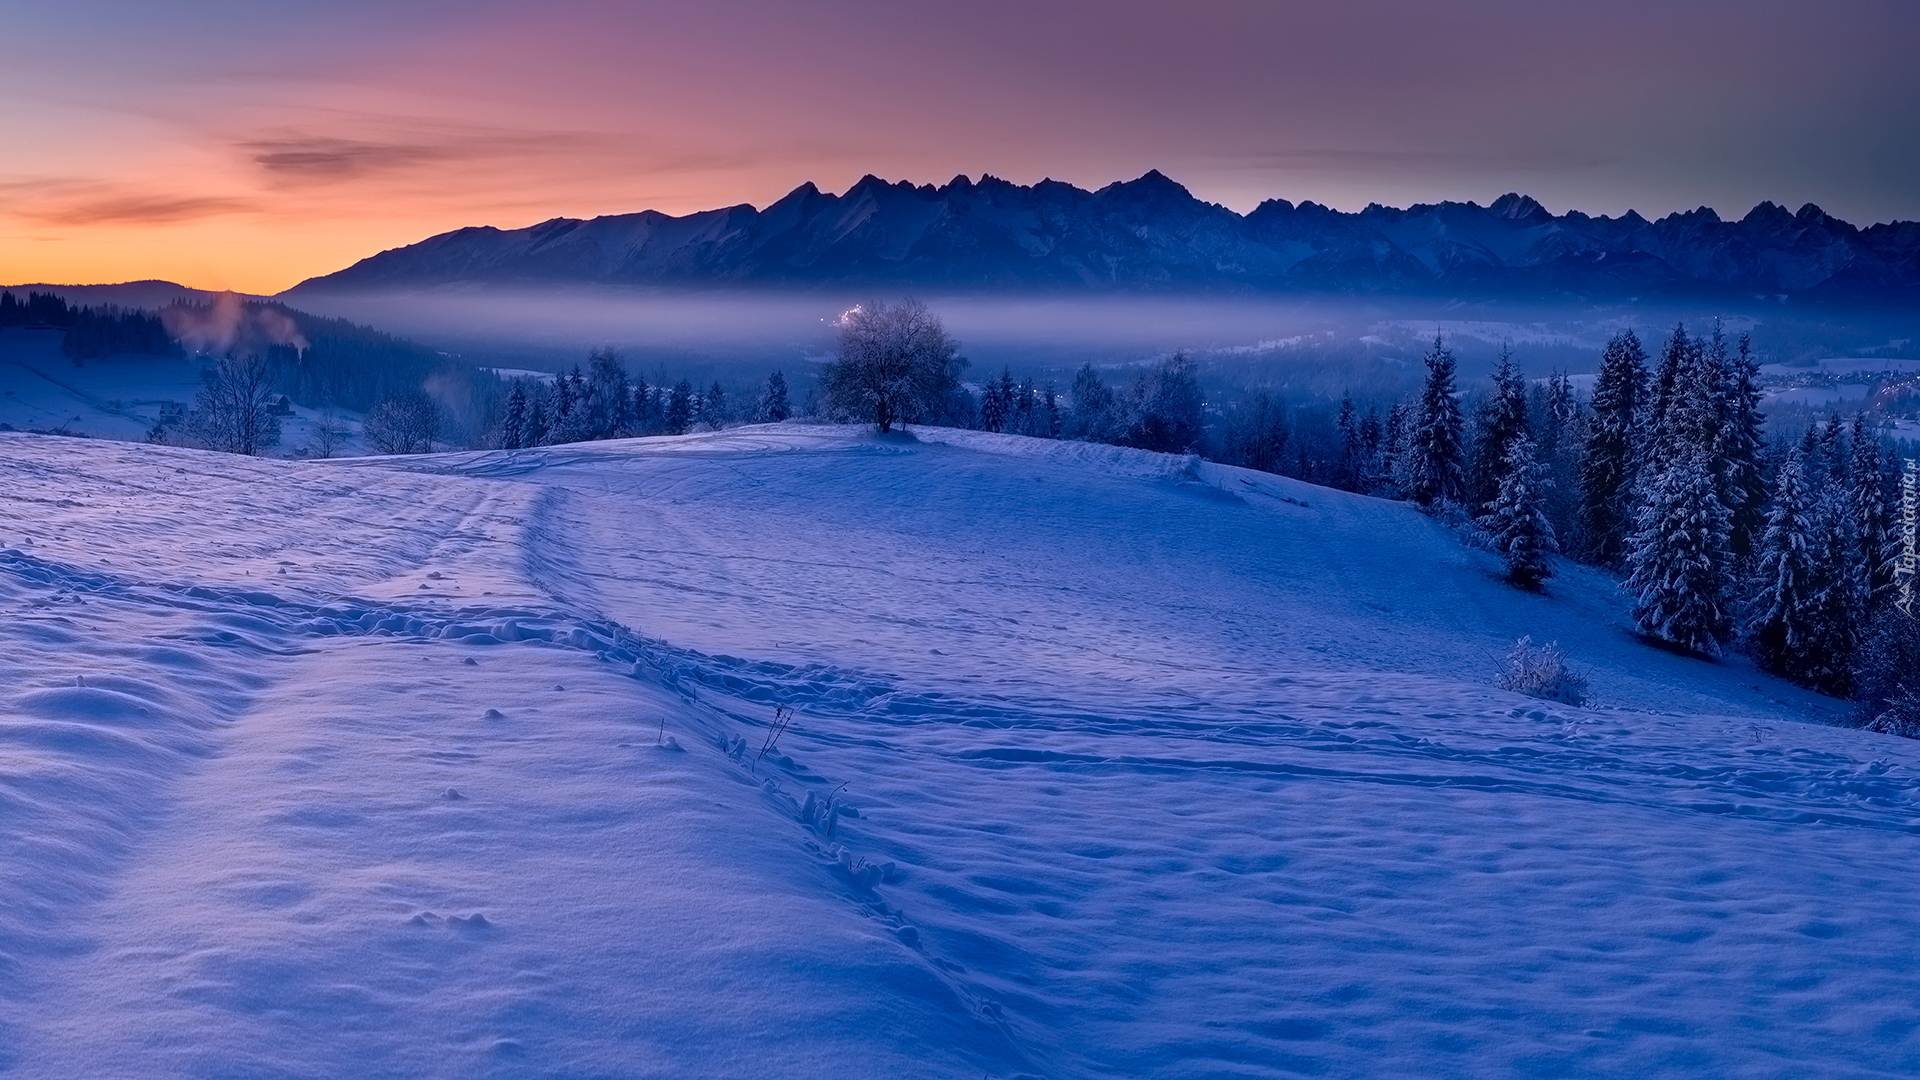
[(249, 145)]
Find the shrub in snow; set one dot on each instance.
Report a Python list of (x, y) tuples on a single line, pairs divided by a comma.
[(1543, 673)]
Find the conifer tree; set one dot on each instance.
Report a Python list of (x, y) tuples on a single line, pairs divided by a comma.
[(537, 407), (680, 408), (1434, 444), (513, 426), (1051, 416), (713, 407), (1678, 559), (645, 409), (1871, 508), (1502, 422), (1837, 601), (1741, 447), (774, 405), (1782, 629), (1351, 451), (1023, 407), (1607, 475), (996, 402), (1670, 378), (1516, 524)]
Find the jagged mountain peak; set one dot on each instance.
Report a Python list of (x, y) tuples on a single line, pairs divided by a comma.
[(1152, 233)]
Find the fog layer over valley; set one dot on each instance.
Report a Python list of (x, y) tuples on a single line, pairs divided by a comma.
[(1321, 345)]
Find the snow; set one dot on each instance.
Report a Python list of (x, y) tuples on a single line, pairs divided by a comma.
[(113, 397), (1139, 766)]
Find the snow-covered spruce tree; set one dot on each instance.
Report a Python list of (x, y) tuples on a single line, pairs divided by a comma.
[(1352, 451), (1887, 674), (645, 409), (1741, 447), (604, 405), (713, 407), (773, 404), (1654, 441), (513, 424), (1838, 601), (1515, 523), (1433, 445), (537, 395), (1781, 629), (1870, 504), (1607, 475), (563, 408), (679, 408), (996, 404), (1023, 412), (1678, 561), (1050, 411), (1501, 422)]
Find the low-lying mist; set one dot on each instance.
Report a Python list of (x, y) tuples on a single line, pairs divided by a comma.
[(1298, 346)]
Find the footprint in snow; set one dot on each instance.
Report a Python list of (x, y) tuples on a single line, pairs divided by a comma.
[(453, 793), (471, 662), (495, 714)]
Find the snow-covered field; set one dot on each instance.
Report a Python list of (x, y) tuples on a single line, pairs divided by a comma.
[(112, 397), (1100, 764)]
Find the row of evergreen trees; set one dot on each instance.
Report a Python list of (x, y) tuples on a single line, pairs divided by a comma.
[(91, 331), (1786, 550), (604, 402)]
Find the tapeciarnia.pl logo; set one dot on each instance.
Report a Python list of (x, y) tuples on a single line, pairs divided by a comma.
[(1908, 562)]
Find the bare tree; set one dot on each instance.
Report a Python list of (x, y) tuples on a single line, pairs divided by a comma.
[(406, 423), (329, 431), (233, 410), (895, 364)]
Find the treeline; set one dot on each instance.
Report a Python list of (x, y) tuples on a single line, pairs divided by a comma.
[(91, 332), (1784, 548), (604, 402)]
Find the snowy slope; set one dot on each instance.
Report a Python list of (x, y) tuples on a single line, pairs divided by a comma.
[(1102, 764), (111, 397)]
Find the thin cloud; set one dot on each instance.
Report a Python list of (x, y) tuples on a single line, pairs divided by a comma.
[(141, 210), (316, 159), (1451, 161)]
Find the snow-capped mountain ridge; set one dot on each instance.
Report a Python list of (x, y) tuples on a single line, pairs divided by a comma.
[(1151, 233)]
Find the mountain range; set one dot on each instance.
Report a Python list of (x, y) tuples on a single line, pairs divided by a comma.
[(1152, 234)]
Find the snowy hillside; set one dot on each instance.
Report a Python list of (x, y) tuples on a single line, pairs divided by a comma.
[(1099, 764), (110, 397)]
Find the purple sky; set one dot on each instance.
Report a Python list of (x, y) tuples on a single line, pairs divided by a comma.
[(253, 144)]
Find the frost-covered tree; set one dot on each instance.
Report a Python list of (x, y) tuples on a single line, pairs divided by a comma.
[(1656, 438), (1434, 446), (1678, 560), (1093, 407), (1164, 407), (1023, 408), (713, 407), (1607, 475), (893, 364), (773, 404), (1050, 417), (645, 408), (1500, 423), (1781, 630), (1352, 451), (1515, 523), (406, 423)]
